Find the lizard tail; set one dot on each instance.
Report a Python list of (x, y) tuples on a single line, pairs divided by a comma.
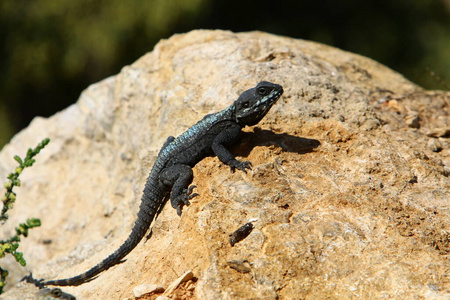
[(148, 209)]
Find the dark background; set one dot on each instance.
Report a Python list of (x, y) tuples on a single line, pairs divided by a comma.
[(51, 50)]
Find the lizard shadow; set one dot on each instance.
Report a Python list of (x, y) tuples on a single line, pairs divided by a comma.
[(287, 142)]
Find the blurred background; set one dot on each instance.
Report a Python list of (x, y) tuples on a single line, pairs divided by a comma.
[(52, 50)]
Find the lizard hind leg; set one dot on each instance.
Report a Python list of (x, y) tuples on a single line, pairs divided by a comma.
[(179, 177)]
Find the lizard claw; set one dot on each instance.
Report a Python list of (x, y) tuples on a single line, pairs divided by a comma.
[(184, 198), (190, 189), (179, 210), (189, 194), (241, 165), (192, 196)]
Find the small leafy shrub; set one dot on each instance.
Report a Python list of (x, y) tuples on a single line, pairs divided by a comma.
[(10, 245)]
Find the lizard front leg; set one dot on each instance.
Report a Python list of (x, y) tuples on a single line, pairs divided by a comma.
[(179, 177), (229, 135)]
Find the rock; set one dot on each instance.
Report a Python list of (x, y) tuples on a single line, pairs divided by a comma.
[(434, 145), (338, 212), (143, 289), (240, 266), (412, 119), (183, 278), (21, 290), (439, 132)]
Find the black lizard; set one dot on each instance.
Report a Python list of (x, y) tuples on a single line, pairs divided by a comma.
[(172, 174)]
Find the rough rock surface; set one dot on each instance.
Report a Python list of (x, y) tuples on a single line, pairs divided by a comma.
[(350, 183)]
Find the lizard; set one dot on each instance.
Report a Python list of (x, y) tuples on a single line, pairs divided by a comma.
[(171, 175), (53, 294), (44, 293)]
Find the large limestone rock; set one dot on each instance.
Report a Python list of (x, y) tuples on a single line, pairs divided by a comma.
[(350, 183)]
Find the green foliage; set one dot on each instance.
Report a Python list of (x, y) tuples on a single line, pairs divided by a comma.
[(9, 197), (10, 245)]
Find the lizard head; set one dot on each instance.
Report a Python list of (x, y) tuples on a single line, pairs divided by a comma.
[(253, 104)]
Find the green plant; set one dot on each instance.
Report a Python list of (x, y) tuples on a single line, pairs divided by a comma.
[(10, 245)]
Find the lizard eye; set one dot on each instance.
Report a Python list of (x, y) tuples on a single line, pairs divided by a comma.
[(263, 91), (57, 292)]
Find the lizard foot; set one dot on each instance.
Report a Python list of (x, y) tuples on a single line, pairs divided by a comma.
[(183, 199), (241, 165)]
